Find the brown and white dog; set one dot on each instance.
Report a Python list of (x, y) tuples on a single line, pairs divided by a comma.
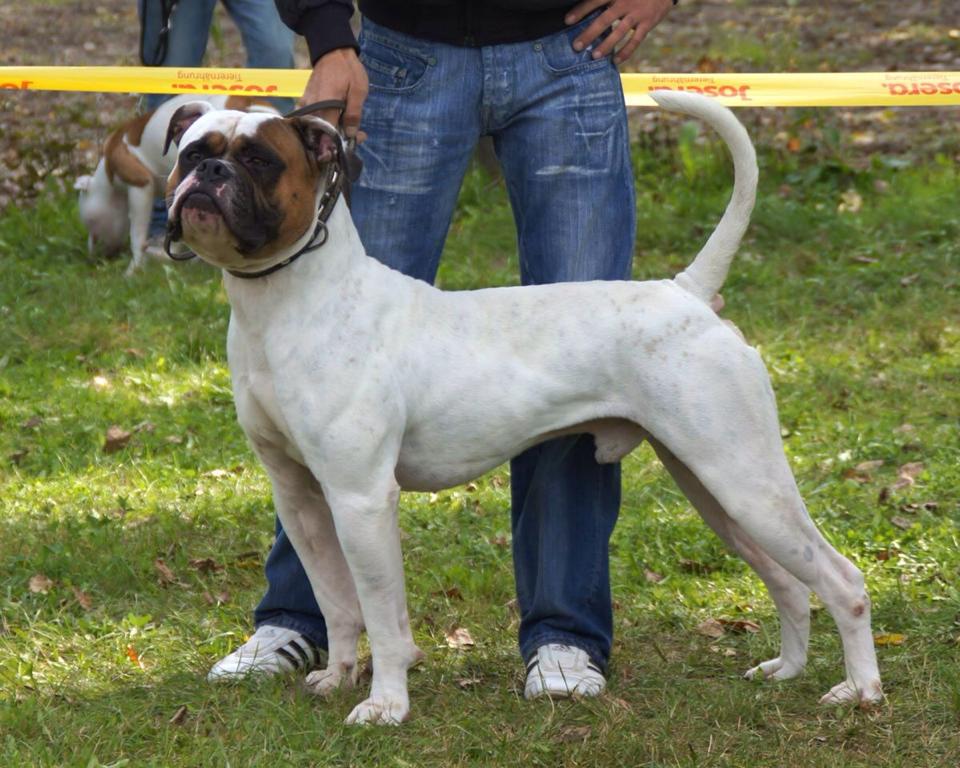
[(354, 382), (116, 202)]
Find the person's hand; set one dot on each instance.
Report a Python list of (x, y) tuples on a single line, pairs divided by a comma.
[(631, 21), (339, 74)]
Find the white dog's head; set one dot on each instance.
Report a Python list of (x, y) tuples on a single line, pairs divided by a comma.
[(245, 187)]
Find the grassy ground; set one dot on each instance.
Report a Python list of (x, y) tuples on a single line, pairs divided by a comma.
[(125, 574)]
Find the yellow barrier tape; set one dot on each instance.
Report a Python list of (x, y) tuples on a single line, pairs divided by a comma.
[(818, 89)]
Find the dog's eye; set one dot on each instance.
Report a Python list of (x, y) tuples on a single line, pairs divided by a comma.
[(256, 162), (193, 155)]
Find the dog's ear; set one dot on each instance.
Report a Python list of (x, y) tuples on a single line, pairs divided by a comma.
[(82, 183), (321, 140), (182, 119)]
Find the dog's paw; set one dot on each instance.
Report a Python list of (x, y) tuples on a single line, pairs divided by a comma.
[(848, 692), (774, 669), (379, 711), (323, 682)]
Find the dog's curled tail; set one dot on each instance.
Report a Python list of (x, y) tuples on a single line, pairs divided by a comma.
[(707, 273)]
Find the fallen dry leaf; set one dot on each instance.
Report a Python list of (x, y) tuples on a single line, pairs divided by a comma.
[(862, 472), (652, 577), (723, 651), (40, 584), (901, 522), (459, 637), (926, 506), (711, 628), (889, 639), (886, 554), (165, 576), (82, 598), (906, 477), (740, 625), (452, 593), (911, 470), (134, 656), (857, 475), (468, 682), (116, 438), (221, 598), (206, 565), (180, 716), (850, 202)]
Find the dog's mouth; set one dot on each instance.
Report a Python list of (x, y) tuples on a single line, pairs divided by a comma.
[(199, 207), (222, 214)]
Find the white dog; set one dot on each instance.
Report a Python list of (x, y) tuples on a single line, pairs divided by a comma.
[(353, 382), (116, 202)]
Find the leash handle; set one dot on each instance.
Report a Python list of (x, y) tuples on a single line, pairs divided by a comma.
[(317, 106)]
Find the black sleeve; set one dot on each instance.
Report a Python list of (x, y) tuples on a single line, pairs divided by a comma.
[(324, 23)]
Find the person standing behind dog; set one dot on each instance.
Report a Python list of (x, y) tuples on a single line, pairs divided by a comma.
[(540, 77), (174, 33)]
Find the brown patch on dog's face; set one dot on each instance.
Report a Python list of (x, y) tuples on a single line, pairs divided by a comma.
[(293, 191)]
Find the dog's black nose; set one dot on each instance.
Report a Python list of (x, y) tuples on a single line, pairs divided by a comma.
[(213, 170)]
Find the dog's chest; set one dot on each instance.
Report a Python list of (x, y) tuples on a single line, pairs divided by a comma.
[(258, 401)]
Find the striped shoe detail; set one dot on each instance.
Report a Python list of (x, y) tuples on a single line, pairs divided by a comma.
[(299, 656)]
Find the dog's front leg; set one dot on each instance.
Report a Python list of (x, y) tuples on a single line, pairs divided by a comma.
[(305, 516), (370, 537)]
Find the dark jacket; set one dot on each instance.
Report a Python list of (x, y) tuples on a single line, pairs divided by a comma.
[(326, 23)]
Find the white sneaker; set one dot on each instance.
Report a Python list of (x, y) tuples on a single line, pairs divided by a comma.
[(269, 651), (560, 671)]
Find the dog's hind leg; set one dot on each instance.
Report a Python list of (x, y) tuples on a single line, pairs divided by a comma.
[(788, 593), (723, 426), (306, 518)]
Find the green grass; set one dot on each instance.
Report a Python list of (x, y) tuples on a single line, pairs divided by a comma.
[(856, 315)]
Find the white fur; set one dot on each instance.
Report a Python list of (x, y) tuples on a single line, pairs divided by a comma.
[(353, 382)]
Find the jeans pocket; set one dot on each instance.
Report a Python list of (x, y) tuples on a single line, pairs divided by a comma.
[(391, 65), (558, 57)]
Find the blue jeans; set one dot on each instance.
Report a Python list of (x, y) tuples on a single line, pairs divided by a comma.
[(266, 39), (559, 128)]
